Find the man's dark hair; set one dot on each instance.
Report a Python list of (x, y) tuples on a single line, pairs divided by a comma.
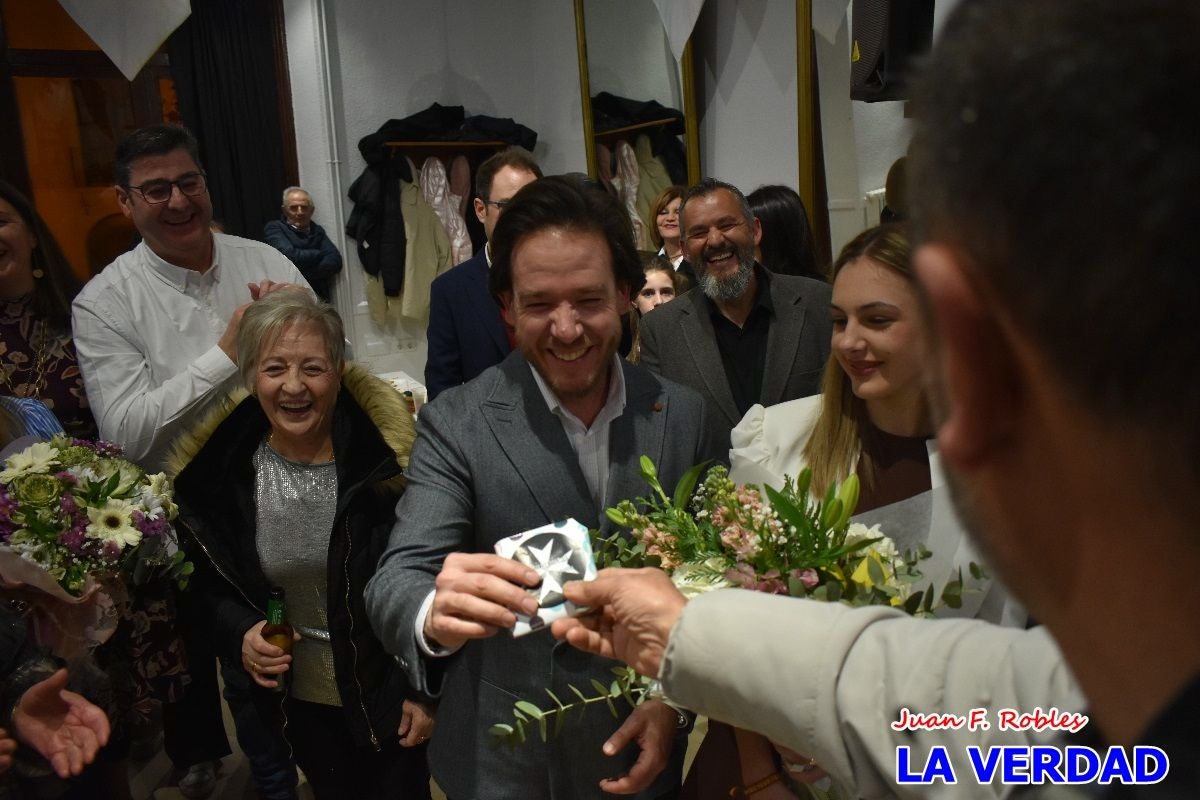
[(516, 157), (787, 238), (153, 140), (565, 202), (707, 187), (1054, 154)]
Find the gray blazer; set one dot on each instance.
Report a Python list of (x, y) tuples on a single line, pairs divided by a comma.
[(678, 342), (491, 460)]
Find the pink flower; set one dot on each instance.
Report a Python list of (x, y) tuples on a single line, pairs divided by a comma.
[(808, 577)]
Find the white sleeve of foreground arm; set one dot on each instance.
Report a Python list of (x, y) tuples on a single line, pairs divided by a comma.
[(129, 409), (827, 680), (431, 649)]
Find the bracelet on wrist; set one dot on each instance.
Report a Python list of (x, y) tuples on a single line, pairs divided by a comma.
[(756, 787)]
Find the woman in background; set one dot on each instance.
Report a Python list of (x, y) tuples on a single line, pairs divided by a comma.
[(37, 285), (296, 487), (662, 285), (665, 232), (787, 239)]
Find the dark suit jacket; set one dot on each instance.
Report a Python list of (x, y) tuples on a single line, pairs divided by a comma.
[(491, 460), (313, 254), (679, 343), (466, 334)]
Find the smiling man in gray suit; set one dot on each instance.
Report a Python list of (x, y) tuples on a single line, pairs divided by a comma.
[(743, 335), (556, 430)]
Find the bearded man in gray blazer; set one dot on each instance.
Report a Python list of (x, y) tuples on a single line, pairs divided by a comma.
[(743, 335), (556, 430)]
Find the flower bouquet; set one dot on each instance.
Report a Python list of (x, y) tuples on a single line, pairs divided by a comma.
[(715, 534), (78, 525)]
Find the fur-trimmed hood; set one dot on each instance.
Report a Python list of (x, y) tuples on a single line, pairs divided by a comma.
[(382, 404)]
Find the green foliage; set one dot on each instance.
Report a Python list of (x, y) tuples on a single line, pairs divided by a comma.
[(627, 687)]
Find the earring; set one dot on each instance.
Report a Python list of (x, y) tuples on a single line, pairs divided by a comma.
[(37, 273)]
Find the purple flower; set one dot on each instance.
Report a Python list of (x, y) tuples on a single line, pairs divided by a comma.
[(149, 526), (72, 539), (68, 505), (66, 477)]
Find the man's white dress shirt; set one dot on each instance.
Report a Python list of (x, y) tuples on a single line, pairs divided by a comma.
[(146, 332)]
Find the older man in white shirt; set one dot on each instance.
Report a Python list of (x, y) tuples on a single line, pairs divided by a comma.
[(155, 330)]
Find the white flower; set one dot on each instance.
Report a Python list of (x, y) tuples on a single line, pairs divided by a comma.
[(858, 532), (37, 458), (156, 497), (113, 522)]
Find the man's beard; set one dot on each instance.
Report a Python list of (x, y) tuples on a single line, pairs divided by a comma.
[(732, 287)]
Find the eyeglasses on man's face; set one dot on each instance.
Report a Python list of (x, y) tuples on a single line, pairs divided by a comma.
[(499, 204), (159, 192)]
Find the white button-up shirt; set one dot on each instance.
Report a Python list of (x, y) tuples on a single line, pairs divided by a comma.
[(146, 332)]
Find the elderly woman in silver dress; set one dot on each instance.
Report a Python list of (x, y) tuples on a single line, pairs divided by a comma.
[(295, 487)]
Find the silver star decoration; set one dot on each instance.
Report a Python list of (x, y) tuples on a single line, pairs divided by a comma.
[(553, 569)]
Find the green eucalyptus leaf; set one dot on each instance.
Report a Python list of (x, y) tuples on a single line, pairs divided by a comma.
[(612, 708), (530, 709), (542, 730), (558, 703), (875, 572), (600, 687), (913, 604)]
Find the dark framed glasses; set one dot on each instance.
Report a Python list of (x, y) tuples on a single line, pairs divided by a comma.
[(159, 192)]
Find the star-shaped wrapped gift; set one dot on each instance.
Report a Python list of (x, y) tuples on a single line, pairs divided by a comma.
[(559, 552)]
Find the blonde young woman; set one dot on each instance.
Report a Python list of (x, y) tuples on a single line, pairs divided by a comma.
[(871, 419)]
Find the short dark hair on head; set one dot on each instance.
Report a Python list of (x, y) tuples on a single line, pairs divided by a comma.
[(1051, 152), (153, 140), (787, 238), (516, 157), (570, 203), (54, 291), (707, 187)]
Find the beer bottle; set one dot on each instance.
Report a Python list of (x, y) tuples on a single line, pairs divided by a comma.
[(278, 631)]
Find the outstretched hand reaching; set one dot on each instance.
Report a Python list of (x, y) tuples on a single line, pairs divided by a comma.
[(61, 725)]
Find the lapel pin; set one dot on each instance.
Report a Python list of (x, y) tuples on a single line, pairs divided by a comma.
[(657, 406)]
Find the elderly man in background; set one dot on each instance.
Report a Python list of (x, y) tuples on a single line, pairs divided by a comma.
[(303, 241), (1067, 393)]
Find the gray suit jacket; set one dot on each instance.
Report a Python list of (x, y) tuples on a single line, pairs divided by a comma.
[(491, 460), (678, 342)]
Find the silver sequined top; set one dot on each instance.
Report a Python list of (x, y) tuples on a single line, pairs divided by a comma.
[(295, 505)]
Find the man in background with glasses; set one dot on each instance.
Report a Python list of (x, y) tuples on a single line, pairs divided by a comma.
[(155, 332), (465, 332), (156, 329)]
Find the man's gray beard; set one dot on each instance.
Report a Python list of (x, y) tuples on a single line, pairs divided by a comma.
[(729, 289)]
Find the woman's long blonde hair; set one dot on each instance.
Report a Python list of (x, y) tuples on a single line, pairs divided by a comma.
[(836, 440)]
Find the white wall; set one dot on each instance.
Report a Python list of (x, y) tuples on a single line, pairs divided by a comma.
[(628, 52), (357, 63), (745, 54)]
